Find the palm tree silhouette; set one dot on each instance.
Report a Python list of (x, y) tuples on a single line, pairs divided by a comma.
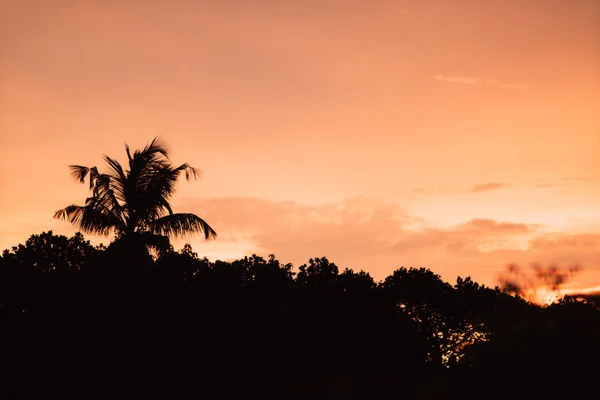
[(134, 202)]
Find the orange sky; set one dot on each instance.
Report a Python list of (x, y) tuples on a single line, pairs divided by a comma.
[(455, 135)]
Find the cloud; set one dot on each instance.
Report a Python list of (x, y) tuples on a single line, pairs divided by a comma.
[(490, 225), (484, 187), (356, 233), (458, 79), (379, 236), (480, 187), (354, 229), (562, 241), (470, 238), (568, 181), (468, 80)]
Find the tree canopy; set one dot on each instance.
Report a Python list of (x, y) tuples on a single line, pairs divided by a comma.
[(186, 327)]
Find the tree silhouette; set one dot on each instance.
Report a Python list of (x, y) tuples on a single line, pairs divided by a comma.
[(134, 202), (434, 305), (44, 273), (187, 327)]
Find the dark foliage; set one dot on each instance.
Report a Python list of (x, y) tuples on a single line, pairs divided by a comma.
[(92, 322)]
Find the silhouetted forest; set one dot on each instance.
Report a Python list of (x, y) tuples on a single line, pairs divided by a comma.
[(121, 322), (140, 320)]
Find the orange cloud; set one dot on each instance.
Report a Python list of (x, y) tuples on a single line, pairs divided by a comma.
[(471, 238), (489, 225), (484, 187), (563, 241), (457, 79), (379, 236)]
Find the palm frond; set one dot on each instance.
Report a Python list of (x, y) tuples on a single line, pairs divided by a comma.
[(88, 219), (156, 146), (80, 172), (128, 151), (154, 154), (106, 201), (115, 170), (160, 180), (116, 179), (154, 190), (190, 172), (145, 167), (180, 224)]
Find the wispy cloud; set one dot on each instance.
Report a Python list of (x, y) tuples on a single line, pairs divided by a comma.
[(469, 80), (569, 181), (484, 187), (457, 79)]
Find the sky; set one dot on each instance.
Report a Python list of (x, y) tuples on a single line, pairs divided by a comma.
[(458, 136)]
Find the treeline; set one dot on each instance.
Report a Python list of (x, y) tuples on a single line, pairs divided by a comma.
[(117, 322)]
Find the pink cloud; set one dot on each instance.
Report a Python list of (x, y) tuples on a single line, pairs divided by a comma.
[(379, 237), (484, 187), (492, 226), (470, 80)]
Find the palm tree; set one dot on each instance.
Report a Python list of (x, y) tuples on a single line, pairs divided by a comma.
[(134, 202)]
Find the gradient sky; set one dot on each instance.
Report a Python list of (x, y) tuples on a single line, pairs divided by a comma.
[(455, 135)]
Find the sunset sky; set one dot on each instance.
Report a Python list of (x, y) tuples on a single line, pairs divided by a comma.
[(454, 135)]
